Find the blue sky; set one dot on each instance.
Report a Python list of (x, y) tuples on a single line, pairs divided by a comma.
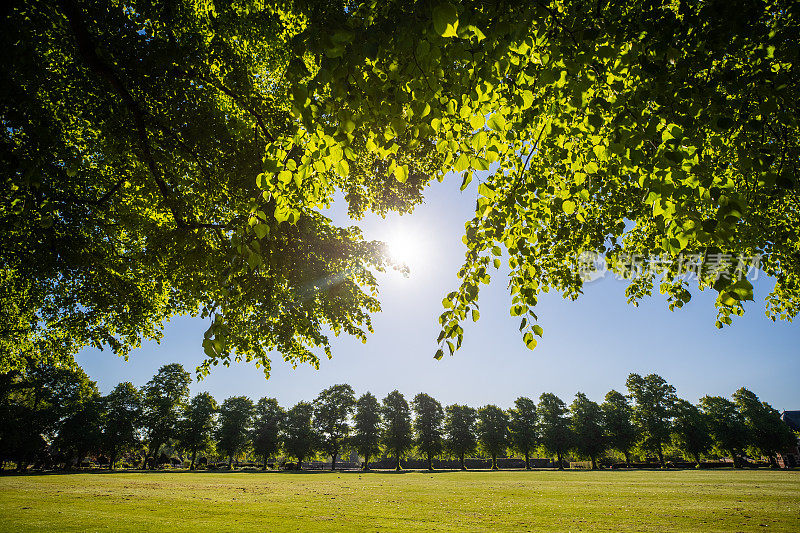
[(589, 345)]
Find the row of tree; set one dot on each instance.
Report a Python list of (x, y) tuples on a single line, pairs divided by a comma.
[(57, 416)]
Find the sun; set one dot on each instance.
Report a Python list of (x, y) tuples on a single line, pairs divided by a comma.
[(405, 248)]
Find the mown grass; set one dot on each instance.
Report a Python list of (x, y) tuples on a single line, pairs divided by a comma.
[(409, 501)]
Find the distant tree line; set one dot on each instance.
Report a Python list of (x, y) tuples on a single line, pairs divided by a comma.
[(56, 417)]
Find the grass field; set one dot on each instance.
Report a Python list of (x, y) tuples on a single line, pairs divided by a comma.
[(409, 501)]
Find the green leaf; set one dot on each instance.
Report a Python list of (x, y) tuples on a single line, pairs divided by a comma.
[(261, 230), (537, 329), (568, 206), (445, 19), (475, 315), (401, 173), (497, 122), (477, 122), (529, 340)]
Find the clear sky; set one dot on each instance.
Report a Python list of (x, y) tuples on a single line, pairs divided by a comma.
[(589, 345)]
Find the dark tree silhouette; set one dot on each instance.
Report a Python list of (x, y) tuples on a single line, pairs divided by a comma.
[(620, 431), (460, 434), (267, 422), (367, 428), (332, 408), (300, 440), (652, 412), (587, 428), (556, 436), (523, 427), (235, 426), (428, 426), (196, 428), (164, 399), (397, 436)]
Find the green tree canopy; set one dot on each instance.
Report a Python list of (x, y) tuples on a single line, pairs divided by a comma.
[(460, 434), (235, 426), (397, 435), (164, 399), (587, 428), (196, 427), (122, 419), (268, 418), (620, 431), (366, 438), (34, 403), (332, 409), (554, 421), (299, 438), (493, 431), (523, 426), (160, 160), (428, 426), (690, 431), (727, 426), (652, 412), (769, 434)]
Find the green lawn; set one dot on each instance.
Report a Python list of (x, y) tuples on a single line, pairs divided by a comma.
[(410, 501)]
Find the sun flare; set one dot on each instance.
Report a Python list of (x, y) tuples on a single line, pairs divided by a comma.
[(405, 248)]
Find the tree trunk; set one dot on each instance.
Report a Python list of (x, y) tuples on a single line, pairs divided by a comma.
[(230, 461), (734, 458), (398, 463), (560, 462), (527, 460), (594, 462), (697, 460), (194, 456), (333, 461), (366, 462), (773, 463), (661, 457), (463, 466), (494, 461), (264, 467), (112, 457), (299, 463), (628, 459), (430, 461)]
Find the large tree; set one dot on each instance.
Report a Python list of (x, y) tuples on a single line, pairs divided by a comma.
[(620, 431), (727, 426), (652, 411), (523, 426), (196, 427), (769, 435), (299, 438), (332, 409), (690, 431), (397, 437), (556, 435), (267, 422), (235, 426), (428, 426), (366, 437), (460, 434), (79, 433), (587, 428), (122, 418), (34, 403), (493, 431), (164, 399), (168, 159)]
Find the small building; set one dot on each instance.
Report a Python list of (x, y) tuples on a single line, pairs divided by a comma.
[(791, 458)]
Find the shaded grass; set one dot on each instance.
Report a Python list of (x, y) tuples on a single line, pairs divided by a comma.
[(414, 501)]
